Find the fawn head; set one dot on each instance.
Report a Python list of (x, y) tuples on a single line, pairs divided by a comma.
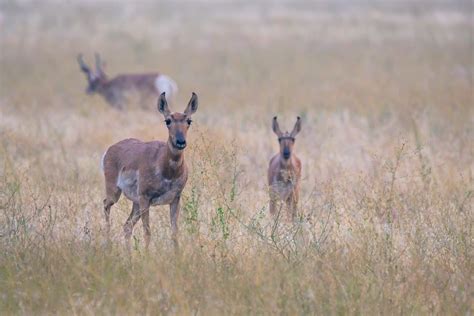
[(94, 79), (177, 123), (286, 140)]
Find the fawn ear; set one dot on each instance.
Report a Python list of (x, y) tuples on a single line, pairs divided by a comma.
[(163, 105), (192, 105), (297, 127), (276, 127)]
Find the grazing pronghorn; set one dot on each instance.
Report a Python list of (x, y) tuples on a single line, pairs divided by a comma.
[(284, 171), (117, 90), (149, 173)]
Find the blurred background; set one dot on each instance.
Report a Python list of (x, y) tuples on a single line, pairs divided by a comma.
[(385, 90), (352, 69), (367, 56)]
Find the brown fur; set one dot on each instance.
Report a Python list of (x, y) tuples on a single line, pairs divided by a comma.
[(114, 90), (149, 173), (284, 171), (117, 90)]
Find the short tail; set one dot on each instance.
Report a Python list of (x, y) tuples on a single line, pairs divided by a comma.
[(166, 84)]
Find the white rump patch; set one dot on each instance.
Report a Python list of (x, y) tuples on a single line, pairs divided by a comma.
[(102, 160), (167, 85)]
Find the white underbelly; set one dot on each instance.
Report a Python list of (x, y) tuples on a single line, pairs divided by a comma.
[(128, 182)]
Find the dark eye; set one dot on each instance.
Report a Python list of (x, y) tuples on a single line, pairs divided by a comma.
[(168, 122), (190, 121)]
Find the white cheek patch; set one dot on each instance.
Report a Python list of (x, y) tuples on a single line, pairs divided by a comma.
[(167, 85)]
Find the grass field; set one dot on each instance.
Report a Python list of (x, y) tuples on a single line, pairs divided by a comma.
[(385, 91)]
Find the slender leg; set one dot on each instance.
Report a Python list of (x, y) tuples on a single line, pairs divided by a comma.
[(146, 227), (144, 211), (273, 200), (113, 195), (292, 203), (130, 223), (174, 214), (107, 206)]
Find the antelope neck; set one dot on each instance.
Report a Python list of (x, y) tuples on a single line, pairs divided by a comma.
[(285, 163), (174, 158)]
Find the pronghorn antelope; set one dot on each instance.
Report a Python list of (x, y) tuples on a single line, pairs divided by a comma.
[(149, 173), (284, 171), (117, 90)]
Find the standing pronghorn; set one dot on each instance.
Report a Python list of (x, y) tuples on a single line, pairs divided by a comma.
[(149, 173), (117, 90), (284, 171)]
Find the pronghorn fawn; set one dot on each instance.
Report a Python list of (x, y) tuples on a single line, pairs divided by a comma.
[(117, 90), (149, 173), (284, 171)]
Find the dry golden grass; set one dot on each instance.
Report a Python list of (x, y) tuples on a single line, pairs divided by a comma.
[(385, 91)]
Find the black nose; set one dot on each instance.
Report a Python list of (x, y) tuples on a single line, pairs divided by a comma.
[(181, 143), (286, 153)]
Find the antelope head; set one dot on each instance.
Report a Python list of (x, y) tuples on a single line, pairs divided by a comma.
[(286, 140), (177, 123), (94, 79)]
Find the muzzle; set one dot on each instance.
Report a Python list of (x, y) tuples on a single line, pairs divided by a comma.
[(181, 144), (180, 141)]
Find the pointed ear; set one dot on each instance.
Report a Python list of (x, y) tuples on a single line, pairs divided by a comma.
[(99, 66), (297, 127), (163, 105), (192, 105), (276, 127), (84, 68)]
